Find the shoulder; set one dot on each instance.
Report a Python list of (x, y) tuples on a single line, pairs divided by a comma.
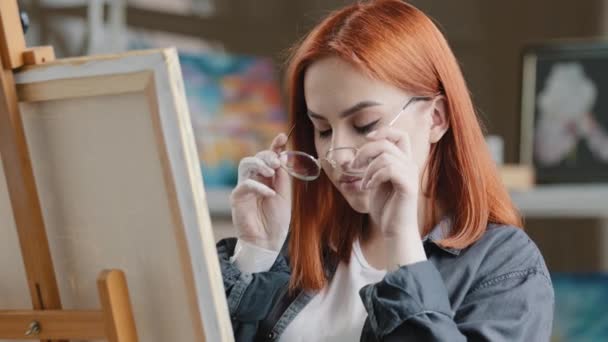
[(506, 242), (505, 252)]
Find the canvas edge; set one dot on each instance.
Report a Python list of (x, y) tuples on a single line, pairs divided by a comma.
[(185, 168), (198, 228)]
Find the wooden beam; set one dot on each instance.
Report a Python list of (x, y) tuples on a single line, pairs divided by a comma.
[(84, 86), (38, 55), (116, 307), (24, 199), (12, 40), (54, 324)]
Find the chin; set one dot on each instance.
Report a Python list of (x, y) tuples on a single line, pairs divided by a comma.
[(357, 199), (359, 202)]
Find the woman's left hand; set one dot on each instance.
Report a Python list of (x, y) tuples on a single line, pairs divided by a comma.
[(392, 179)]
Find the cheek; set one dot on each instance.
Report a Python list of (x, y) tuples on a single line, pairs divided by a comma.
[(420, 146), (321, 146)]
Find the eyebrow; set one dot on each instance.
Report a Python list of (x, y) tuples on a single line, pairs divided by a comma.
[(350, 111)]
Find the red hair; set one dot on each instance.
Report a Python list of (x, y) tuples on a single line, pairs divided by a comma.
[(394, 42)]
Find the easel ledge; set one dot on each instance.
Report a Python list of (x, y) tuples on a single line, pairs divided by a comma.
[(114, 321)]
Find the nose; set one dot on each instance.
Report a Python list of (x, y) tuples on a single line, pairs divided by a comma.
[(341, 138), (342, 157), (341, 152)]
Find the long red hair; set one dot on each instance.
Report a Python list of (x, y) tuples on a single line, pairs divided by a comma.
[(394, 42)]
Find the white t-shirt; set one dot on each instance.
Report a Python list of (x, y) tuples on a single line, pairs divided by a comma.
[(336, 313)]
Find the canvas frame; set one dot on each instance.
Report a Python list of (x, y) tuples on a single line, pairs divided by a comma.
[(155, 76)]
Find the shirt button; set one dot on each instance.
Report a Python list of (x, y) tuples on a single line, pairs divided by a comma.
[(272, 335)]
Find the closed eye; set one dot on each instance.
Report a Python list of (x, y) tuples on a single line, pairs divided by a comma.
[(325, 134), (361, 130), (367, 128)]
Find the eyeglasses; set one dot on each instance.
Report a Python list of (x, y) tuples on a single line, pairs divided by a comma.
[(303, 166)]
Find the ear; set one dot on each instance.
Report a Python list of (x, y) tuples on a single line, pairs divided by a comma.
[(439, 119)]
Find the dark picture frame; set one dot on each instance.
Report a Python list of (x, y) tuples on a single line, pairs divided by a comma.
[(564, 111)]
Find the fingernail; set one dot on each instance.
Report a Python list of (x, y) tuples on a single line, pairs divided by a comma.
[(372, 134)]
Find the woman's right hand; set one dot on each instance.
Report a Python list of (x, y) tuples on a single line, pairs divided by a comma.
[(261, 201)]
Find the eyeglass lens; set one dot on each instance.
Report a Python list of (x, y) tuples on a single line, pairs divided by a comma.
[(300, 165)]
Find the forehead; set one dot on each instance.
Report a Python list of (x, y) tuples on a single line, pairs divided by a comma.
[(331, 85)]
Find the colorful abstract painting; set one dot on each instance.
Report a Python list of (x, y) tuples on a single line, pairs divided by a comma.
[(236, 110), (581, 307)]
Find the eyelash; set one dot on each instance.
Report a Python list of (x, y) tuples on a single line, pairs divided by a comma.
[(361, 130)]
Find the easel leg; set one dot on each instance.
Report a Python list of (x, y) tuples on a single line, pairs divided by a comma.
[(24, 199), (116, 306), (114, 296)]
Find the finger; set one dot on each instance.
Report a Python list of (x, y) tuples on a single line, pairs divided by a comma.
[(381, 176), (392, 134), (403, 177), (407, 144), (278, 143), (382, 161), (249, 167), (250, 187), (270, 158), (281, 181), (368, 152)]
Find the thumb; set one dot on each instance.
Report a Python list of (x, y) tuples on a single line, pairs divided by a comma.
[(282, 183)]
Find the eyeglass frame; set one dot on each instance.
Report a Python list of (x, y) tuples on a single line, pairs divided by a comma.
[(333, 163)]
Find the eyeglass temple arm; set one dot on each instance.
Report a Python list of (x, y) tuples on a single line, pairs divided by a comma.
[(412, 99), (289, 134), (290, 131)]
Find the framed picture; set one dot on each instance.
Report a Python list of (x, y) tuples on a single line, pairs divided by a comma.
[(564, 121)]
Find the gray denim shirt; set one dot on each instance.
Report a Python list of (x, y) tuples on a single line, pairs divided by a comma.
[(497, 289)]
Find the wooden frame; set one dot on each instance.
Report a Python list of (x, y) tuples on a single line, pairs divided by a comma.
[(93, 220), (113, 322)]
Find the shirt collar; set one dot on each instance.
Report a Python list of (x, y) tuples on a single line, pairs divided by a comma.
[(440, 232)]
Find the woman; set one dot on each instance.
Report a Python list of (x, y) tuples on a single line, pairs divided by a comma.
[(407, 233)]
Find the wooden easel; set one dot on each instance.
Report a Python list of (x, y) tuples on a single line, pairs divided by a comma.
[(47, 321)]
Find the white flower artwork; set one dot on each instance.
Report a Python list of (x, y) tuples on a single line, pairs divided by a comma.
[(565, 106)]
